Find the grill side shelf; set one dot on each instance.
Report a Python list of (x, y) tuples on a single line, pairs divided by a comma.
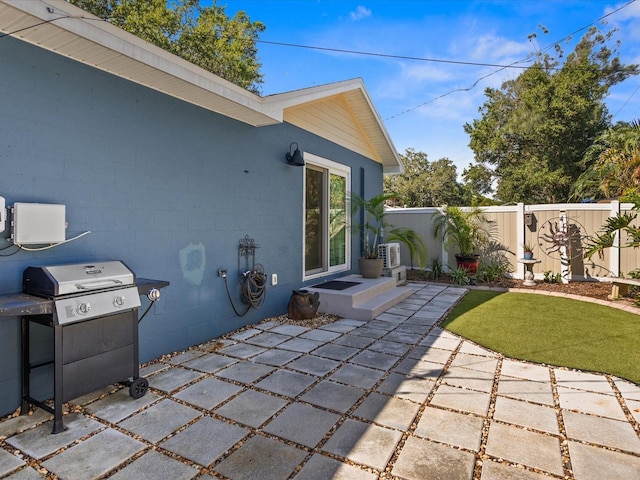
[(145, 285), (24, 304)]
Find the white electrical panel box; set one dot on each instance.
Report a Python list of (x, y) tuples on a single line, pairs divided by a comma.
[(38, 223)]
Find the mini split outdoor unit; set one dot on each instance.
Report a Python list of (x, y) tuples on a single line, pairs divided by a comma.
[(390, 254)]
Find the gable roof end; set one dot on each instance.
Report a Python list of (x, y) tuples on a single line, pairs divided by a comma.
[(341, 112)]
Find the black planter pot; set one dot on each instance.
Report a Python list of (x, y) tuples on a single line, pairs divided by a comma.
[(468, 262)]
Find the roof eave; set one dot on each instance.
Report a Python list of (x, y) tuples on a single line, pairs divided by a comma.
[(60, 27)]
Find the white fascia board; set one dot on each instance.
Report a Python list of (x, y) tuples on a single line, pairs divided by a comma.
[(61, 15)]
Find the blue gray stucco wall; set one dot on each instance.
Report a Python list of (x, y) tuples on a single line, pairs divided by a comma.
[(155, 180)]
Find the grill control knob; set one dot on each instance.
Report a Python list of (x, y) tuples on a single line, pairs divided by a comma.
[(154, 294), (119, 301), (84, 308)]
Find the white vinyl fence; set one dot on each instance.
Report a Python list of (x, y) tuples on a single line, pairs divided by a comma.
[(547, 228)]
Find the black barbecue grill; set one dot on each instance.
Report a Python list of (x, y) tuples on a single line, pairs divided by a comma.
[(95, 329)]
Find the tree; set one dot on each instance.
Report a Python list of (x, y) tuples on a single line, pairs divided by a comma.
[(204, 36), (478, 181), (425, 183), (536, 129), (615, 165)]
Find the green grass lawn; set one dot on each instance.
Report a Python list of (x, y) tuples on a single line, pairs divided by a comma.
[(552, 330)]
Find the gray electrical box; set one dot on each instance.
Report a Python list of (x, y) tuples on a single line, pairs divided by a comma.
[(38, 223)]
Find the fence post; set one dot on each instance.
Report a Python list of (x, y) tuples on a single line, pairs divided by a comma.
[(520, 239), (444, 253), (614, 253)]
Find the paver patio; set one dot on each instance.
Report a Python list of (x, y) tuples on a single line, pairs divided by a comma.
[(396, 397)]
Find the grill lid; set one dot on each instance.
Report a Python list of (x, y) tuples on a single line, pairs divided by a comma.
[(57, 280)]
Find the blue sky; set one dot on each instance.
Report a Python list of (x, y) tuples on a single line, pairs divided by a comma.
[(416, 99)]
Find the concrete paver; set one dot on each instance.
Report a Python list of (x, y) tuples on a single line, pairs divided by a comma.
[(357, 375), (210, 363), (251, 408), (419, 368), (601, 431), (388, 411), (9, 463), (302, 424), (430, 354), (267, 339), (38, 442), (26, 474), (286, 382), (457, 429), (313, 365), (153, 466), (120, 405), (603, 405), (245, 372), (500, 471), (261, 457), (349, 400), (421, 459), (171, 380), (523, 370), (592, 463), (482, 363), (391, 348), (530, 391), (470, 379), (525, 447), (159, 420), (583, 381), (461, 399), (373, 359), (205, 441), (364, 443), (336, 352), (525, 414), (320, 466), (95, 456), (208, 393), (320, 335), (354, 341), (276, 357), (414, 389), (333, 396)]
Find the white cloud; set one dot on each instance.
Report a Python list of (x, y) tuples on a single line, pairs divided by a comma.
[(628, 12), (491, 48), (360, 13)]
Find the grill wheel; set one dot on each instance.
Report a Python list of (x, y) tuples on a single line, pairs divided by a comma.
[(138, 387)]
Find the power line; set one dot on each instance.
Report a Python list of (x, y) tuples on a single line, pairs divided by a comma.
[(626, 101), (386, 55)]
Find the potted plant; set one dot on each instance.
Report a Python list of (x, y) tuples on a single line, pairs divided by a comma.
[(527, 251), (373, 226), (467, 230)]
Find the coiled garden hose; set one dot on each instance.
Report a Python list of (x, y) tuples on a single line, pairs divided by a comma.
[(254, 289)]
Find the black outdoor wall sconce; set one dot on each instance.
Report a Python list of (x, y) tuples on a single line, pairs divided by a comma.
[(295, 158)]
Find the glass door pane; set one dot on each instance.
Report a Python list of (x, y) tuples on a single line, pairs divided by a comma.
[(314, 220), (337, 220)]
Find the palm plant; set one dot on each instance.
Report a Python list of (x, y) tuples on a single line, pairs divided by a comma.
[(468, 230), (374, 225)]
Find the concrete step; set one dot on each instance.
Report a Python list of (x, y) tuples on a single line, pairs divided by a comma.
[(364, 301)]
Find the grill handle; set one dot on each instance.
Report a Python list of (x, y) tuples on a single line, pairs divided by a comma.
[(94, 285)]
